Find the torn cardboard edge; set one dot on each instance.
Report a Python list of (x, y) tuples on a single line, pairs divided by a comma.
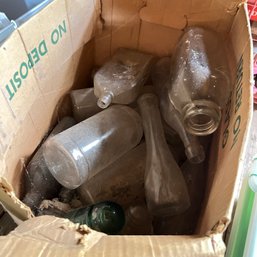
[(11, 204), (60, 237)]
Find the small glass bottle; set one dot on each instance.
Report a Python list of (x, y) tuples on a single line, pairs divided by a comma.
[(39, 182), (160, 76), (120, 80), (165, 187), (138, 221), (82, 151), (200, 81), (121, 182), (84, 103)]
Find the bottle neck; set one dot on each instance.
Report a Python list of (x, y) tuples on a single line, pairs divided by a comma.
[(201, 117), (105, 100), (152, 123)]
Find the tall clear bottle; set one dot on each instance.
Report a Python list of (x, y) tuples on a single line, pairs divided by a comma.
[(121, 79), (160, 77), (200, 80), (38, 180), (165, 187), (185, 224), (82, 151), (121, 182)]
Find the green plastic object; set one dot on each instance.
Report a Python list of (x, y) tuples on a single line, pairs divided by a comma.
[(238, 234), (251, 239), (107, 217)]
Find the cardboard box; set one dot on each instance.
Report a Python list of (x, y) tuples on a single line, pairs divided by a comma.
[(55, 50)]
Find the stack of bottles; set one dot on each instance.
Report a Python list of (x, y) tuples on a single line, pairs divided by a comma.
[(137, 158)]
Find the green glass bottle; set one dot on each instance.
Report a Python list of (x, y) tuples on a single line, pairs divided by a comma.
[(107, 217)]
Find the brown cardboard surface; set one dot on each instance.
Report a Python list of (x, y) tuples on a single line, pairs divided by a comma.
[(151, 26), (179, 14), (229, 158), (50, 236)]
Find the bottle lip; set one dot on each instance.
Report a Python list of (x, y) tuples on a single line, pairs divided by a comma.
[(201, 117), (105, 100)]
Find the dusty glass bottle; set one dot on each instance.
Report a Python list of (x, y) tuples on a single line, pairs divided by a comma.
[(121, 182), (84, 103), (82, 151), (107, 217), (160, 77), (165, 187), (185, 224), (138, 221), (38, 180), (121, 79), (200, 80)]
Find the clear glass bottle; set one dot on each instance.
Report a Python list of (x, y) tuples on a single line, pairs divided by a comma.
[(165, 187), (138, 221), (120, 80), (84, 103), (121, 182), (200, 80), (82, 151), (38, 180), (185, 224), (160, 77)]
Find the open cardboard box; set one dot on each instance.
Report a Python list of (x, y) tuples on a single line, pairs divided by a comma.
[(55, 50)]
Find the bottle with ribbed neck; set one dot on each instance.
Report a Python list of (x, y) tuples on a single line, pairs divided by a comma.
[(199, 83), (165, 187), (160, 76)]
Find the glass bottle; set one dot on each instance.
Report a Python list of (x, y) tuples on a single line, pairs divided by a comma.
[(121, 182), (199, 85), (80, 152), (165, 188), (138, 221), (84, 103), (121, 79), (160, 76), (107, 217), (39, 182), (185, 224)]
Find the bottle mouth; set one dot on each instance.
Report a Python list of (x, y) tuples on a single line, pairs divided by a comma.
[(201, 117), (105, 100)]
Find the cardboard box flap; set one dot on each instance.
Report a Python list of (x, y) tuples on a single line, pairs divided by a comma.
[(18, 211), (39, 65), (228, 149), (179, 14), (50, 236)]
